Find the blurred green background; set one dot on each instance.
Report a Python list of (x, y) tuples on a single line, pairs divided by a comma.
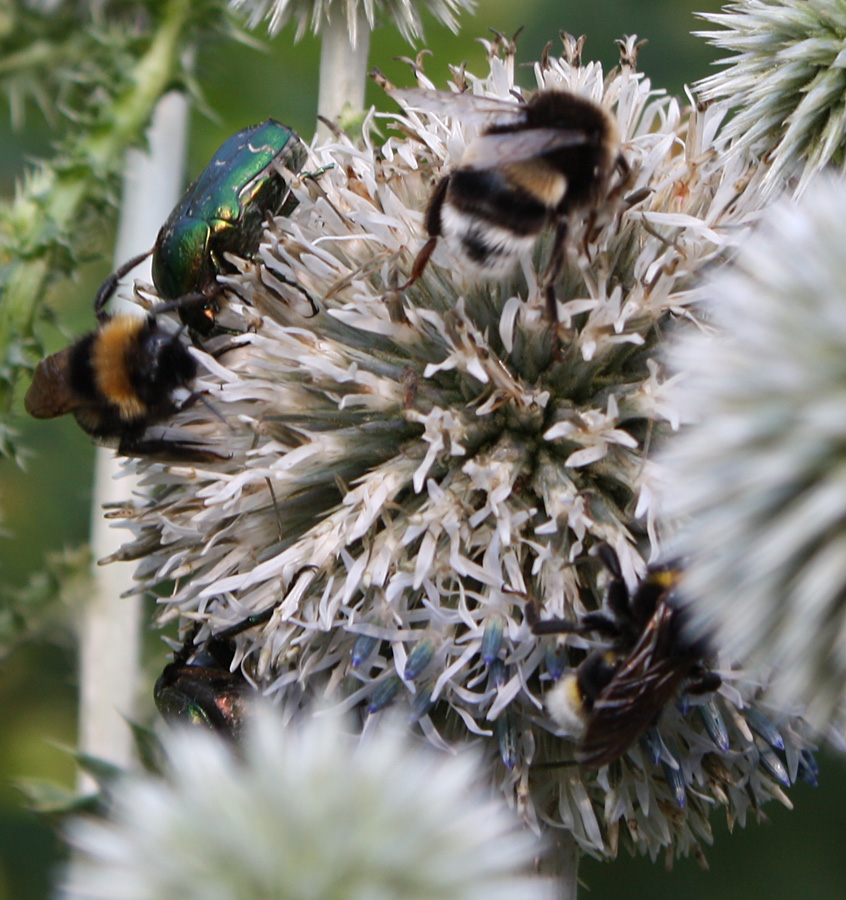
[(46, 507)]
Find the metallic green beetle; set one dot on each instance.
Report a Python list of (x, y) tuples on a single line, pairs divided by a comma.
[(199, 687), (204, 691), (222, 211)]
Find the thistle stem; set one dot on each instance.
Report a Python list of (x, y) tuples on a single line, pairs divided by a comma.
[(110, 628), (343, 67), (561, 863)]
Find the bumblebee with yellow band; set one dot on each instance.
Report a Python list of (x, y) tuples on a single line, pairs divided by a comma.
[(616, 693), (123, 377)]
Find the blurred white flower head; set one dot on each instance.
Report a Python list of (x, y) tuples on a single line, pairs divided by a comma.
[(315, 14), (786, 82), (411, 467), (303, 811), (756, 484)]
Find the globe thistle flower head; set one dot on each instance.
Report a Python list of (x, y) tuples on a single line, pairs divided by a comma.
[(755, 483), (314, 14), (786, 82), (408, 470), (303, 812)]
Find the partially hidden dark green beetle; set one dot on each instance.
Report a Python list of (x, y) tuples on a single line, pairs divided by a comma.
[(204, 691), (224, 210), (199, 686)]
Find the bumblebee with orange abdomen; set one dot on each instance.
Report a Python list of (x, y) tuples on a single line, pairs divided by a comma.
[(534, 164), (117, 381)]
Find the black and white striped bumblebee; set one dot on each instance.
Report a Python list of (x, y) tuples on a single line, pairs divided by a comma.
[(119, 380), (533, 165), (619, 690)]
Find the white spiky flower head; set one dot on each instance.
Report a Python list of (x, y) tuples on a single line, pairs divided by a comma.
[(757, 481), (786, 83), (303, 812), (315, 14), (410, 467)]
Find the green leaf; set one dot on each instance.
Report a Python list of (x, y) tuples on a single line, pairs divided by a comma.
[(50, 799)]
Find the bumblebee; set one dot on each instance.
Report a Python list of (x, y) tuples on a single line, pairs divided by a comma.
[(118, 381), (617, 692), (534, 164)]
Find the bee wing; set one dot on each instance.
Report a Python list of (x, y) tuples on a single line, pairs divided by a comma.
[(470, 108), (490, 151), (50, 394), (631, 701)]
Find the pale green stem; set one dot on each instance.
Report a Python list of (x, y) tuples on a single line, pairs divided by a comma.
[(343, 69), (110, 625)]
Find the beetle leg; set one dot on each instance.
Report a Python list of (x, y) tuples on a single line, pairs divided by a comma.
[(108, 287), (297, 287)]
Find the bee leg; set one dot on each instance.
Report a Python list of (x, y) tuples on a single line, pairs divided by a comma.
[(201, 397), (594, 674), (610, 560), (555, 626), (162, 450), (601, 624), (554, 268), (613, 203), (420, 262), (108, 287), (615, 195), (433, 229), (617, 595), (590, 622)]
